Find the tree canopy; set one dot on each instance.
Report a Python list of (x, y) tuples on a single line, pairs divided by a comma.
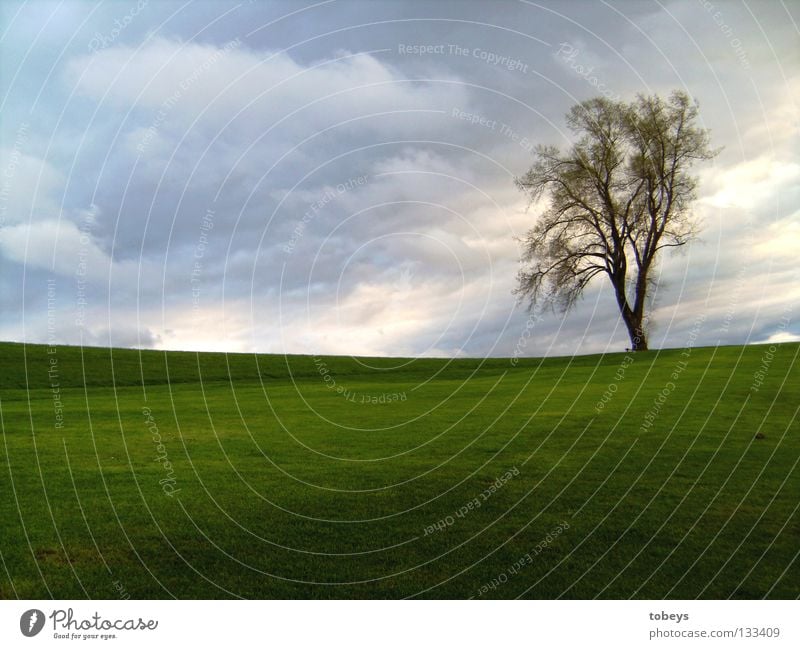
[(618, 196)]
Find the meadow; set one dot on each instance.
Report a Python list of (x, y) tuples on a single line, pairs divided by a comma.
[(147, 474)]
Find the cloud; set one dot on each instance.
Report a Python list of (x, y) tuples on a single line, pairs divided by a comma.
[(29, 186), (209, 149), (59, 246), (253, 93), (750, 184)]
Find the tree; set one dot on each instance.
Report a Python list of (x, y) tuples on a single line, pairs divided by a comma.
[(617, 197)]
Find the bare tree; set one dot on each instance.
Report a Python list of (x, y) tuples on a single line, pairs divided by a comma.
[(619, 196)]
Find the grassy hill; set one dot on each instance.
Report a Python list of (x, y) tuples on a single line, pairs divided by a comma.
[(670, 474)]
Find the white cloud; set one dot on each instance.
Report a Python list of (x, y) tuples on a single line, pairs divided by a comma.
[(29, 186), (750, 184), (782, 337), (176, 82), (59, 246)]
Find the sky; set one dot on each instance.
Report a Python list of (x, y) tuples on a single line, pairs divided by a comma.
[(337, 177)]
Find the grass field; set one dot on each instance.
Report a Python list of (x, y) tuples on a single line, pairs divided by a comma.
[(157, 475)]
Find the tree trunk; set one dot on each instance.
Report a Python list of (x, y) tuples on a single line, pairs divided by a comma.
[(636, 333), (633, 321), (636, 317), (632, 317)]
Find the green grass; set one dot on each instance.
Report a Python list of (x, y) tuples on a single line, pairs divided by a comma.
[(287, 488)]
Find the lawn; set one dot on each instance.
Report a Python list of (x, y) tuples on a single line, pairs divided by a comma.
[(157, 475)]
